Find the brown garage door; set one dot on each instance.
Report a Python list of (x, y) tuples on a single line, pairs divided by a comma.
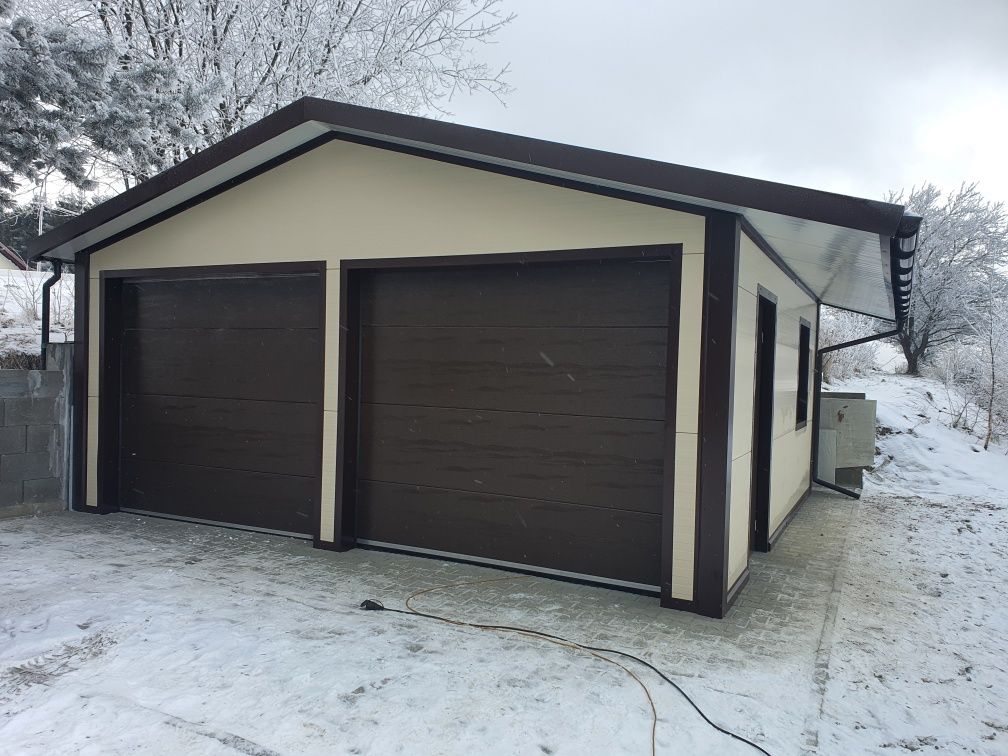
[(516, 414), (221, 399)]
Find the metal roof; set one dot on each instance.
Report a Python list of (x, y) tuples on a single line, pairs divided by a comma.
[(848, 252)]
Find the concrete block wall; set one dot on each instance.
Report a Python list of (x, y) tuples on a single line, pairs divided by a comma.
[(32, 433)]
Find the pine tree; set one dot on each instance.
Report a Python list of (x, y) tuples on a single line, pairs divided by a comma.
[(49, 79)]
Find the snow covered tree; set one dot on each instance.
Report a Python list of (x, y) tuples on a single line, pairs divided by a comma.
[(246, 58), (48, 78), (75, 109), (962, 238)]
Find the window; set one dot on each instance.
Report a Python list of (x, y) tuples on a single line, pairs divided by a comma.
[(804, 342)]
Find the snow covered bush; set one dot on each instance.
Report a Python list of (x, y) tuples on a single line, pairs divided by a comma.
[(21, 310), (837, 326), (974, 368)]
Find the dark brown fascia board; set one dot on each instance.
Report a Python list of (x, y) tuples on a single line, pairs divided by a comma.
[(645, 176)]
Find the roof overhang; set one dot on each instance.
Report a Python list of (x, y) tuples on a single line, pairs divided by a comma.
[(847, 252)]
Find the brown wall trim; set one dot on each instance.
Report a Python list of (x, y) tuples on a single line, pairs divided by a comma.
[(210, 271), (816, 397), (671, 394), (110, 287), (348, 414), (717, 372), (762, 435), (788, 517), (348, 411)]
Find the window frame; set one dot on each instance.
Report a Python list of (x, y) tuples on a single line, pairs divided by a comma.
[(803, 398)]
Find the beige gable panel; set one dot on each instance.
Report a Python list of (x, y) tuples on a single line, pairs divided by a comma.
[(346, 201)]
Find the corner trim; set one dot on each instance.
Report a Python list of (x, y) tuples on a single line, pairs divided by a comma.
[(722, 243)]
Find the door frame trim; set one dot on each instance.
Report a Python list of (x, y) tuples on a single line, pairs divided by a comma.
[(759, 516), (348, 410), (110, 357)]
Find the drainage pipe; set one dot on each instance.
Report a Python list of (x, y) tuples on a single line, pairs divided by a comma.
[(49, 282)]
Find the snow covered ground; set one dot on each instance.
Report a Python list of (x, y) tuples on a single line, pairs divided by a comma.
[(874, 627), (919, 658)]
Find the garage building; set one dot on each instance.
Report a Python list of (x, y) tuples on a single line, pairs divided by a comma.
[(383, 331)]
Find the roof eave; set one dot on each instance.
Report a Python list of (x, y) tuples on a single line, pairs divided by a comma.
[(702, 187)]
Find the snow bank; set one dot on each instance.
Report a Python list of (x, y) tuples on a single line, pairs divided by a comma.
[(918, 453)]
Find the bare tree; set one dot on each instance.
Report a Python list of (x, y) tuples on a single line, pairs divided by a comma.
[(962, 238), (252, 57)]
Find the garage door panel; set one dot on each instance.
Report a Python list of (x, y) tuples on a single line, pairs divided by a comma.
[(612, 372), (605, 542), (253, 499), (249, 363), (220, 397), (231, 302), (604, 462), (276, 437), (613, 293)]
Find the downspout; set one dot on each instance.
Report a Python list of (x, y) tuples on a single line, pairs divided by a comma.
[(49, 282)]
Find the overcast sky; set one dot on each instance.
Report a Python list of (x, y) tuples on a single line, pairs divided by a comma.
[(853, 96)]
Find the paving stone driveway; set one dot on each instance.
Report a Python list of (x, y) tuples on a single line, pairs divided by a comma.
[(775, 638)]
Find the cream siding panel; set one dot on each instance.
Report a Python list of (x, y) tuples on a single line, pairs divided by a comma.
[(745, 374), (687, 410), (690, 333), (328, 508), (684, 521), (792, 449), (738, 526), (347, 201), (330, 395), (742, 426)]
